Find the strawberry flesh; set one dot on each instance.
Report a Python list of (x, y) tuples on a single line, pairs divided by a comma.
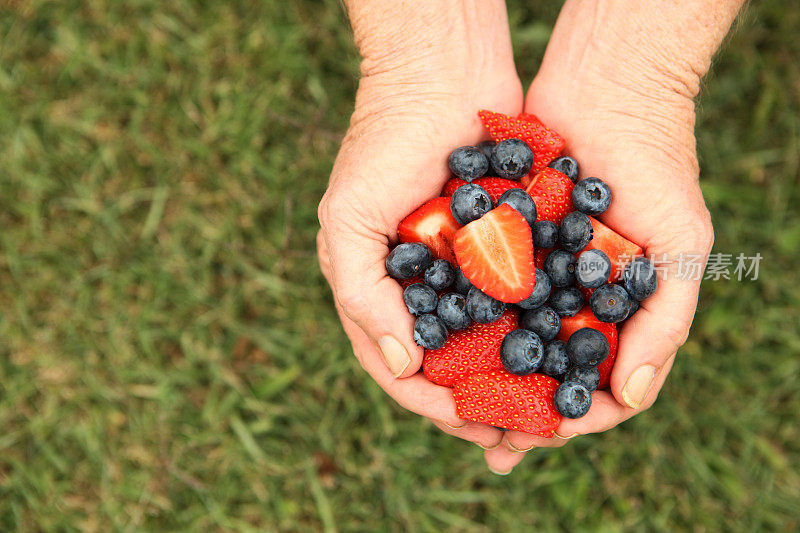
[(495, 253), (431, 224), (497, 398), (475, 349), (618, 249)]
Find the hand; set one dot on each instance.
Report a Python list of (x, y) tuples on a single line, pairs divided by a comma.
[(411, 110), (630, 123)]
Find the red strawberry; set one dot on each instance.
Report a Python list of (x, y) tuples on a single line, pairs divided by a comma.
[(495, 253), (451, 186), (552, 192), (497, 398), (475, 349), (618, 249), (497, 186), (539, 255), (586, 319), (404, 283), (545, 143), (431, 224), (587, 292)]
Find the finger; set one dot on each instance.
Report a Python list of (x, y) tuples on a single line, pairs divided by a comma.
[(650, 338), (501, 460), (484, 436), (417, 394), (520, 441)]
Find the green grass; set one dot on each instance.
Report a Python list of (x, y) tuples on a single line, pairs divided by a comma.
[(169, 356)]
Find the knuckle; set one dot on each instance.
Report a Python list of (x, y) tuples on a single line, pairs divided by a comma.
[(353, 302)]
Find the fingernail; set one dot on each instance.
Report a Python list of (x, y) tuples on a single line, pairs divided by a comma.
[(394, 355), (565, 438), (519, 450), (638, 385), (451, 426), (499, 473), (489, 447)]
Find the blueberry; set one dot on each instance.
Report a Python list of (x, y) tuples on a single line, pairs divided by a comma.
[(470, 202), (610, 303), (540, 294), (452, 309), (567, 301), (587, 347), (545, 234), (462, 285), (572, 399), (567, 165), (440, 275), (560, 268), (556, 362), (468, 163), (591, 196), (543, 321), (593, 269), (587, 376), (640, 278), (575, 232), (522, 202), (486, 147), (483, 308), (408, 260), (420, 299), (521, 352), (430, 332), (633, 308), (512, 159)]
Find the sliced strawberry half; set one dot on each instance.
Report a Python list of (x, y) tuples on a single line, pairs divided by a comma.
[(431, 224), (495, 253), (475, 349), (497, 186), (497, 398), (545, 142), (551, 190), (451, 186), (618, 249), (586, 319)]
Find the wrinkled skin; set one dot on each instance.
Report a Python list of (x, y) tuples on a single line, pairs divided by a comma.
[(633, 128)]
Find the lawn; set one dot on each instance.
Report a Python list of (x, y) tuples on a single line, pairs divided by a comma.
[(169, 355)]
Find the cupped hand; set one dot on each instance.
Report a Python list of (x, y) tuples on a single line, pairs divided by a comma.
[(407, 119), (631, 123)]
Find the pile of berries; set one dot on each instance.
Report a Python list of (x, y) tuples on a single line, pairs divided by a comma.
[(517, 288)]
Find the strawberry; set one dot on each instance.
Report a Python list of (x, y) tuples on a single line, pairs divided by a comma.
[(431, 224), (404, 283), (495, 253), (539, 256), (618, 249), (552, 192), (475, 349), (497, 186), (586, 319), (497, 398), (587, 292), (545, 143), (451, 186)]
